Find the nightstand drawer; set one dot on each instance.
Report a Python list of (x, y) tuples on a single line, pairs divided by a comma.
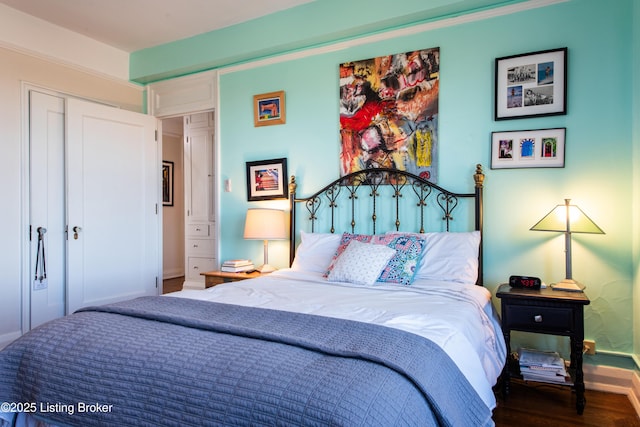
[(550, 319)]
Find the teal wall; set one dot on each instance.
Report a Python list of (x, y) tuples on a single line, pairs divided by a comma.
[(310, 24), (602, 138), (636, 180)]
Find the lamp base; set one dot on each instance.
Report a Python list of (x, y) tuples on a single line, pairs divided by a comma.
[(569, 285), (266, 268)]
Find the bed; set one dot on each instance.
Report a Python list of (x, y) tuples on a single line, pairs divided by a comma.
[(390, 326)]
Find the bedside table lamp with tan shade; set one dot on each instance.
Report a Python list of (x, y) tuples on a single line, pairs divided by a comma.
[(567, 219), (265, 225)]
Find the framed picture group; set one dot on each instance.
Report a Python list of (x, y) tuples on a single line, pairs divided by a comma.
[(530, 85), (540, 148)]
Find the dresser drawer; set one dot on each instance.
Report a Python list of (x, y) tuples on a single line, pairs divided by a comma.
[(534, 318), (200, 246), (199, 265), (198, 230)]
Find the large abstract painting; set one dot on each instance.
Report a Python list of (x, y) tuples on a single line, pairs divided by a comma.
[(389, 113)]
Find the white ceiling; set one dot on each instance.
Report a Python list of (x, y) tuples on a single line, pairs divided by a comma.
[(131, 25)]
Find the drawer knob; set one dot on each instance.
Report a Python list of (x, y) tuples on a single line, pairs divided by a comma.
[(537, 318)]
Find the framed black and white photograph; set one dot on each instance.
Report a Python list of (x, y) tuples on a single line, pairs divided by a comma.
[(540, 148), (267, 180), (531, 85), (167, 183)]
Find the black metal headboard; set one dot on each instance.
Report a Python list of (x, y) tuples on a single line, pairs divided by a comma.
[(400, 186)]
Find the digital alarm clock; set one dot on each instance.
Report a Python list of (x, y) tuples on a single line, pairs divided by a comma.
[(524, 282)]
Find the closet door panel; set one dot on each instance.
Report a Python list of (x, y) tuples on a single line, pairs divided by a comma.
[(199, 156), (46, 208), (112, 190)]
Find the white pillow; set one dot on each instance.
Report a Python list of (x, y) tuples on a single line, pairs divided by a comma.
[(315, 251), (361, 263), (451, 257)]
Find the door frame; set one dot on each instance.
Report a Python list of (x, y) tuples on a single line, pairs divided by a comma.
[(25, 273), (183, 96)]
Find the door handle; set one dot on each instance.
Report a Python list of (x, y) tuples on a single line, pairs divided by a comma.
[(76, 229)]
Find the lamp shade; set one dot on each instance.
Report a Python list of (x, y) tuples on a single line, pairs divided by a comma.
[(575, 222), (265, 224), (567, 219)]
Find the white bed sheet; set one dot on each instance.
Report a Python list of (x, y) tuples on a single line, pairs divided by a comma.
[(459, 318)]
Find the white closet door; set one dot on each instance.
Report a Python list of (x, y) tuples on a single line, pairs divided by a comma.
[(199, 180), (113, 178), (46, 208)]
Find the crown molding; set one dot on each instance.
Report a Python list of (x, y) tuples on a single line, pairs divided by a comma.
[(37, 38), (400, 32)]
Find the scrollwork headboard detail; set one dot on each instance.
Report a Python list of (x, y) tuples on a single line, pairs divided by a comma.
[(347, 190)]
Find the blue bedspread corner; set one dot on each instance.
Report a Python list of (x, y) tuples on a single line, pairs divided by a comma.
[(175, 361)]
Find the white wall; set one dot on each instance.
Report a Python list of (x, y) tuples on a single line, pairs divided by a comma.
[(635, 85), (27, 33)]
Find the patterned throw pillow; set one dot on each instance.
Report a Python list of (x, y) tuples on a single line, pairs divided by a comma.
[(402, 267), (449, 256), (344, 242), (360, 263)]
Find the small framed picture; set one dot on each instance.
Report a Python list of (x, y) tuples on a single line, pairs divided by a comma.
[(531, 85), (269, 109), (541, 148), (267, 180), (167, 183)]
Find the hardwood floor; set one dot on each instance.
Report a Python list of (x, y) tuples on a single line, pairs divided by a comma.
[(542, 405)]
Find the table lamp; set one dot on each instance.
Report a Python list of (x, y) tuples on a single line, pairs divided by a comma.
[(265, 224), (567, 219)]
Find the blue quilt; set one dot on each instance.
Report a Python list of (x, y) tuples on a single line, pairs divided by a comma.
[(157, 361)]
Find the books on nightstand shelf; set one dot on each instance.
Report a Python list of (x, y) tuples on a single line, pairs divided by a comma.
[(543, 366), (237, 266)]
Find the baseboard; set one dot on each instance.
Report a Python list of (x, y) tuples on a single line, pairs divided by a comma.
[(614, 380), (634, 392), (172, 273), (7, 339)]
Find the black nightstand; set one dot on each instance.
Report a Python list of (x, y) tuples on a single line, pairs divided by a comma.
[(550, 312)]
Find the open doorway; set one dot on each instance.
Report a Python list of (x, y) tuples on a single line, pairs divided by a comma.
[(189, 226), (173, 209)]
